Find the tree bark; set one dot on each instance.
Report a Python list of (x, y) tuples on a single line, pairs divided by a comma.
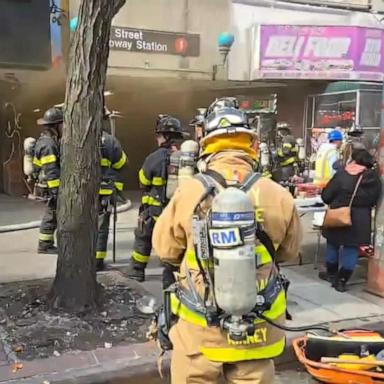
[(75, 288)]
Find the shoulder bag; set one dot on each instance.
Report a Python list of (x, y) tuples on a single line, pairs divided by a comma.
[(341, 217)]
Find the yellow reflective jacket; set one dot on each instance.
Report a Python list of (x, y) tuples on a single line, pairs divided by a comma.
[(325, 159), (173, 242)]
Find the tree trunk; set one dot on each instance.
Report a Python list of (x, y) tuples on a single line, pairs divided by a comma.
[(75, 288)]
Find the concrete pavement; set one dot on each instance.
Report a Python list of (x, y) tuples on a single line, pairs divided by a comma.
[(17, 210)]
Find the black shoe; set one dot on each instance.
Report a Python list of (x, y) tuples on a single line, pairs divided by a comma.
[(324, 275), (342, 277), (340, 286), (47, 250), (100, 266), (135, 273), (330, 274)]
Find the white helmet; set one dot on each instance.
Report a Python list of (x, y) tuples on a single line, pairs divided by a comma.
[(227, 121)]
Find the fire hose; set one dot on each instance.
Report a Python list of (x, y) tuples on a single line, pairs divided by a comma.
[(36, 224)]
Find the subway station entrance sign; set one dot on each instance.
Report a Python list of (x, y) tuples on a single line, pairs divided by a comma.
[(147, 41)]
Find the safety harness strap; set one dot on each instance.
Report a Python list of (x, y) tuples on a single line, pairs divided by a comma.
[(266, 241), (250, 180)]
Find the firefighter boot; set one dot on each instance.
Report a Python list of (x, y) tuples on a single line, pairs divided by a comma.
[(342, 277), (330, 274), (136, 272), (46, 248), (100, 266)]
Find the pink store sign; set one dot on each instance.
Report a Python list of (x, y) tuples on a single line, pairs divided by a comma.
[(318, 52)]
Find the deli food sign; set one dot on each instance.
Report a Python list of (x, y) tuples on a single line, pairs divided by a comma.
[(321, 52), (147, 41)]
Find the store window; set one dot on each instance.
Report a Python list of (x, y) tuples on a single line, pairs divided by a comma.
[(335, 110), (370, 108)]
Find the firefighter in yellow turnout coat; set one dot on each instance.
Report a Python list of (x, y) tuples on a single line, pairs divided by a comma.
[(202, 352)]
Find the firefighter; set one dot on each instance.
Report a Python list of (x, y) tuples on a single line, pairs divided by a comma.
[(286, 153), (198, 124), (327, 158), (153, 177), (46, 162), (112, 161), (206, 345)]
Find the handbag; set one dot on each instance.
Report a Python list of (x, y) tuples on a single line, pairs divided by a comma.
[(341, 217)]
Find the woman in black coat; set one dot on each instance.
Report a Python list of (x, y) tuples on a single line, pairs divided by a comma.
[(338, 193)]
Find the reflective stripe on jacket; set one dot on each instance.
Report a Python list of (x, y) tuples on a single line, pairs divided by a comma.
[(286, 155), (113, 159), (153, 180), (46, 160)]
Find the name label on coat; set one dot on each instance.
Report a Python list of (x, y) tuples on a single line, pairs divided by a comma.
[(260, 336)]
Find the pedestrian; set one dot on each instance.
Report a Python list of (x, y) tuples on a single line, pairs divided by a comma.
[(327, 158), (203, 348), (46, 163), (343, 243), (153, 179), (113, 159)]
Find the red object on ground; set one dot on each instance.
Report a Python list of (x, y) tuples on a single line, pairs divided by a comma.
[(366, 251), (310, 189), (329, 373)]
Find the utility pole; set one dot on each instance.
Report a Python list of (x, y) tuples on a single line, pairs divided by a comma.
[(376, 263)]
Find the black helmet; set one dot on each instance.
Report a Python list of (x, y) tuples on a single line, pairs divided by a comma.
[(51, 116), (224, 102), (355, 131), (168, 124)]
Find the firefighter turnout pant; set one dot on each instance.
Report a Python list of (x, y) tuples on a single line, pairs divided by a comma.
[(197, 369), (104, 221), (143, 240), (48, 224)]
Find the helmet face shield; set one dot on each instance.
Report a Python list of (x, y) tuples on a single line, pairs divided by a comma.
[(227, 121), (225, 102)]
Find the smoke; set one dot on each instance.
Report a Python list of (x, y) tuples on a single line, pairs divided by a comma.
[(37, 91)]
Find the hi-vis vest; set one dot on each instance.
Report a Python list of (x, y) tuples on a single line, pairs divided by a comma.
[(324, 166), (260, 345)]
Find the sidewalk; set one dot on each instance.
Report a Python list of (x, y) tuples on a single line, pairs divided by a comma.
[(311, 302), (18, 210)]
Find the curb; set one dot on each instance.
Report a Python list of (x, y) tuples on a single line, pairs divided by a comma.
[(139, 362), (36, 224)]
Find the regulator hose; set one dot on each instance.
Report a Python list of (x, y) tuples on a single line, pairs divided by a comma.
[(295, 329)]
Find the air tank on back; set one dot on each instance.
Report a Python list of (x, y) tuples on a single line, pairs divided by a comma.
[(234, 255)]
